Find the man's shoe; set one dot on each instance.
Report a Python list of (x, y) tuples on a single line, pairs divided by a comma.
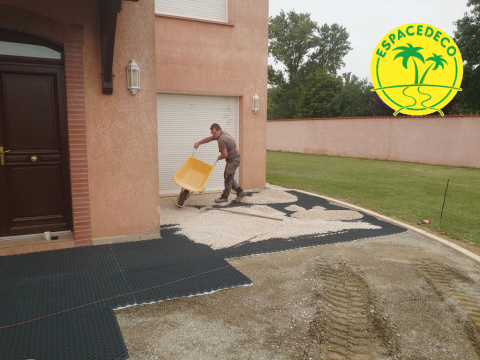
[(221, 199), (240, 196)]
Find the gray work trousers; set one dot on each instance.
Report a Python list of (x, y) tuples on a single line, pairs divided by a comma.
[(229, 176)]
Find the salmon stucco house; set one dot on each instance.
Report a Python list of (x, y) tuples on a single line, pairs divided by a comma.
[(82, 154)]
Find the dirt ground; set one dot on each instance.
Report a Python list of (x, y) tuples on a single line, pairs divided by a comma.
[(396, 297)]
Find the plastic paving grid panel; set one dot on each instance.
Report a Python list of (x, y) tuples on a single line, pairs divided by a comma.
[(40, 284)]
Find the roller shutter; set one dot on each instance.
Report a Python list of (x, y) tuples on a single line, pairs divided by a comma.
[(213, 10), (184, 120)]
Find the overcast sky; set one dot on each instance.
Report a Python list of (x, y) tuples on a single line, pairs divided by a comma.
[(367, 21)]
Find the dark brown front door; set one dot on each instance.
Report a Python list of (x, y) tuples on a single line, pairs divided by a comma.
[(34, 177)]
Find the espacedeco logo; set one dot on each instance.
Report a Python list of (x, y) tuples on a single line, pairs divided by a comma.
[(417, 69)]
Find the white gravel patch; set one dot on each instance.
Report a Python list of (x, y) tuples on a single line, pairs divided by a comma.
[(270, 196), (296, 208), (220, 229), (319, 213), (263, 210)]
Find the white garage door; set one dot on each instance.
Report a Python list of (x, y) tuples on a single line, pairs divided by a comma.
[(182, 121)]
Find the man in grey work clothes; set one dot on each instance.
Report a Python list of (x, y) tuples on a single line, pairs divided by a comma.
[(228, 150)]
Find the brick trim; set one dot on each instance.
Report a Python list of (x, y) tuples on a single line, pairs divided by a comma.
[(77, 133)]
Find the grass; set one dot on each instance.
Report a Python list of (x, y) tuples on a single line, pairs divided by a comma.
[(406, 191)]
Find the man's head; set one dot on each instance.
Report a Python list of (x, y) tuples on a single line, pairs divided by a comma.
[(215, 130)]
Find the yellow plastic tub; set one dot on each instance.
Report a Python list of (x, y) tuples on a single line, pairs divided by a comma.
[(193, 175)]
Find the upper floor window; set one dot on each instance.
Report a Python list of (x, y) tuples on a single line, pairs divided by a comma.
[(18, 44), (213, 10)]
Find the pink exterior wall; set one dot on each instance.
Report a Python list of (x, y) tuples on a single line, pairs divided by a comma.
[(123, 149), (449, 140), (194, 57), (121, 128)]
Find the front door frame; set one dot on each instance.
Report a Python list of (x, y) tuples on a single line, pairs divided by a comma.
[(72, 38), (36, 65)]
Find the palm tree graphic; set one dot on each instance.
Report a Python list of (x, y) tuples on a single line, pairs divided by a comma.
[(437, 61), (413, 52), (406, 54)]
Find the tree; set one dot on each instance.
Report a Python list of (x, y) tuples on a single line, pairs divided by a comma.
[(452, 107), (331, 46), (272, 103), (302, 46), (283, 101), (291, 37), (467, 38), (378, 106), (354, 98), (275, 77), (308, 52), (317, 93)]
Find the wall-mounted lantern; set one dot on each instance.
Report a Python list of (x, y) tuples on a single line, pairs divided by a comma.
[(133, 77), (256, 103)]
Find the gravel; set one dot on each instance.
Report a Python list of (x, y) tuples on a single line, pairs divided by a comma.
[(299, 208), (319, 213), (220, 229), (270, 196)]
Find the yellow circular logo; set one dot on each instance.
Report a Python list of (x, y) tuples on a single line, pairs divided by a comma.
[(417, 69)]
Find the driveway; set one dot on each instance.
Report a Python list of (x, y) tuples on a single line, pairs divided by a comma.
[(401, 296)]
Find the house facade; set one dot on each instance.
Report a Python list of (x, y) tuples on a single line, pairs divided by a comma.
[(80, 152)]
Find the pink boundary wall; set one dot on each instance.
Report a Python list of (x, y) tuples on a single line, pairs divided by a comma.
[(448, 140)]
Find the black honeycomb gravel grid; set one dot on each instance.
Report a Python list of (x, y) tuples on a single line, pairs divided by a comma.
[(40, 284)]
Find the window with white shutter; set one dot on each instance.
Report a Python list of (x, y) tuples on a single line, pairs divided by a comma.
[(213, 10)]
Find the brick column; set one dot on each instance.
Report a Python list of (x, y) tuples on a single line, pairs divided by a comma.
[(77, 134)]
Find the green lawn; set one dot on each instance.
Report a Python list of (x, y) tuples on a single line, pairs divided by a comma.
[(406, 191)]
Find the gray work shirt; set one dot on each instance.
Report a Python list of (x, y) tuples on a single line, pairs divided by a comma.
[(226, 141)]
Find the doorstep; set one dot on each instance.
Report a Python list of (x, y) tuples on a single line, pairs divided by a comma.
[(29, 244)]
